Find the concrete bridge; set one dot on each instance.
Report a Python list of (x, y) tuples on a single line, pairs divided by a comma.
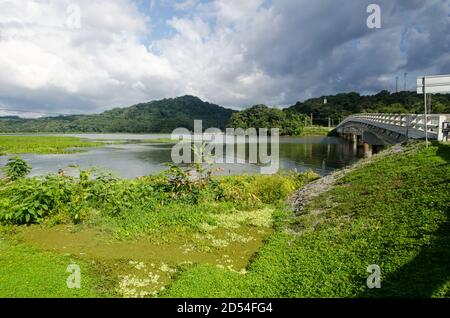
[(383, 129)]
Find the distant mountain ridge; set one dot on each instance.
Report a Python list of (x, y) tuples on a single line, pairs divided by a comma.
[(156, 116), (163, 116)]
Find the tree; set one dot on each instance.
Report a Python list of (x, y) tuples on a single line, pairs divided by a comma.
[(261, 116)]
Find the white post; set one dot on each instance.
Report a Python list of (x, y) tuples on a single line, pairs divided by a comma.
[(408, 124), (425, 114), (440, 136)]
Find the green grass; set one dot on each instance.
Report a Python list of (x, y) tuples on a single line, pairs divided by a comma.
[(136, 207), (315, 131), (393, 213), (158, 220), (42, 144), (26, 272)]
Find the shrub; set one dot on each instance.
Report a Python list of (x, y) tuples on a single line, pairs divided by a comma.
[(95, 197), (16, 168)]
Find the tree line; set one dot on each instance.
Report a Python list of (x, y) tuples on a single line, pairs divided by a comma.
[(165, 115)]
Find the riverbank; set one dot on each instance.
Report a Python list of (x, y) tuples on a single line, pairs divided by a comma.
[(142, 233), (315, 131), (390, 210), (235, 236)]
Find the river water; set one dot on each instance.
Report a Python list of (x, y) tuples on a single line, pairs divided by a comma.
[(129, 160)]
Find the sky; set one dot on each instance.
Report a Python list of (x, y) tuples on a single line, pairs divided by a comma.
[(87, 56)]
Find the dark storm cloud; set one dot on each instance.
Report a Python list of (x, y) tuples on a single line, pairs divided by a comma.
[(326, 46)]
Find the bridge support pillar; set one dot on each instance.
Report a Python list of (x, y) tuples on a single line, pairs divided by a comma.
[(359, 140), (345, 136), (363, 150)]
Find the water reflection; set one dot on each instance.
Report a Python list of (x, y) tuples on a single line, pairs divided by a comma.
[(320, 154)]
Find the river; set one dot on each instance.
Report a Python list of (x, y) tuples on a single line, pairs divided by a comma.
[(129, 160)]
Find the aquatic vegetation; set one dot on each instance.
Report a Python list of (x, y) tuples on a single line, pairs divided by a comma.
[(195, 221), (258, 218), (132, 286), (28, 272), (43, 144), (163, 242)]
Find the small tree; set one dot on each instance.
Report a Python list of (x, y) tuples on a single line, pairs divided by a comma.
[(16, 168)]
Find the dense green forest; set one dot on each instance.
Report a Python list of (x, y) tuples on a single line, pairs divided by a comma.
[(261, 116), (168, 114), (156, 116), (336, 108), (342, 105)]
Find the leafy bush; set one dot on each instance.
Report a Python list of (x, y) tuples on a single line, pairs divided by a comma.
[(252, 191), (96, 195), (28, 201), (16, 168)]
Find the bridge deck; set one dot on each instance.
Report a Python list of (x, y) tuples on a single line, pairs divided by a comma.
[(411, 132), (393, 128)]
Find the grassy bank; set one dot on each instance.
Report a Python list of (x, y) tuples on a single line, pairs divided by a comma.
[(144, 231), (171, 236), (393, 213), (315, 131), (42, 144)]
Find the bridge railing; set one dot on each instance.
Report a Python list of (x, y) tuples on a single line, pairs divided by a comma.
[(413, 121)]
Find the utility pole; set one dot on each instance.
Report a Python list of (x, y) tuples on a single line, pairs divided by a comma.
[(311, 119), (396, 84), (329, 122), (430, 110)]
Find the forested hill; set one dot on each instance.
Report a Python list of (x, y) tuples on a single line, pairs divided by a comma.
[(168, 114), (342, 105), (156, 116)]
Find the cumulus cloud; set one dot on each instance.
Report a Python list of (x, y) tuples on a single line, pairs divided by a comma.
[(54, 67), (234, 53)]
